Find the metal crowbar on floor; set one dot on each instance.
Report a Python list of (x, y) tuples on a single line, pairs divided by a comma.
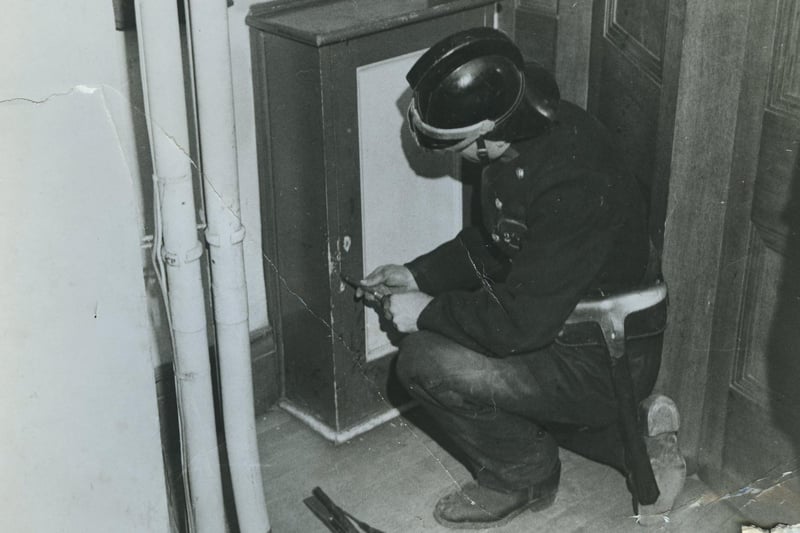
[(334, 517)]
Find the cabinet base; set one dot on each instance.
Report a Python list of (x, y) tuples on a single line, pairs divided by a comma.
[(339, 437)]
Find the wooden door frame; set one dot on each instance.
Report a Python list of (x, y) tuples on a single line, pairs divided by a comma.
[(705, 52)]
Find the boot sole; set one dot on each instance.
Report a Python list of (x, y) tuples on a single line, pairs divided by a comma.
[(660, 415), (669, 466)]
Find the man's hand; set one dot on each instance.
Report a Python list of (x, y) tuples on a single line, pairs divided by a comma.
[(388, 279), (403, 309)]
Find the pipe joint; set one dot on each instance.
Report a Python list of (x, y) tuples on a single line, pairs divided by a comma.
[(214, 239), (174, 259), (171, 180)]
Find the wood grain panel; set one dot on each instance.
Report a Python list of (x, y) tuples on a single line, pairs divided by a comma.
[(556, 34), (637, 28), (778, 172), (784, 93), (628, 106), (779, 162), (625, 84), (549, 7), (536, 32), (701, 139), (654, 23), (296, 253), (750, 377)]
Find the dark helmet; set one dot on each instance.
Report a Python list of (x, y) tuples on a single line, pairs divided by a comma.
[(475, 84)]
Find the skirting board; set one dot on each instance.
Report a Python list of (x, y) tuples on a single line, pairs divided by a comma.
[(340, 437)]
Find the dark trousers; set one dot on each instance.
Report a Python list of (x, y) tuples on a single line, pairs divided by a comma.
[(508, 416)]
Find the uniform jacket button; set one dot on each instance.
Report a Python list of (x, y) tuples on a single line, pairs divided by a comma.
[(495, 237), (520, 173), (497, 203)]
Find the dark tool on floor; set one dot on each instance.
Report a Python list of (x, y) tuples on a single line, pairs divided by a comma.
[(334, 517)]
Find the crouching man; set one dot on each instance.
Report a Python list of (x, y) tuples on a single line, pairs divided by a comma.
[(562, 220)]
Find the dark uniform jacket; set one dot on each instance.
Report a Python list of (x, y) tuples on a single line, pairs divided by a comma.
[(562, 218)]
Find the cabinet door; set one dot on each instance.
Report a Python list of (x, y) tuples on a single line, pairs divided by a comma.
[(391, 200), (410, 203)]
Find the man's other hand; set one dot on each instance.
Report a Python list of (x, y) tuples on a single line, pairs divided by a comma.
[(388, 279), (404, 309)]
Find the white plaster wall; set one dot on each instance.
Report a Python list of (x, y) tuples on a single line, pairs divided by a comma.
[(80, 446)]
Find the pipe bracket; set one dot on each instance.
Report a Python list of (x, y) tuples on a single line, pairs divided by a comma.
[(174, 258), (171, 180), (238, 235), (215, 240)]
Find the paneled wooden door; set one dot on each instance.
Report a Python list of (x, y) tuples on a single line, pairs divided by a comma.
[(752, 426), (627, 85)]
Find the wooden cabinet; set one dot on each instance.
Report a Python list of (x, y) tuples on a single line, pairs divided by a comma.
[(344, 189)]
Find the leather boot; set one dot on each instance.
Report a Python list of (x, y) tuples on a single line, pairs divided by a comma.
[(661, 439), (473, 506)]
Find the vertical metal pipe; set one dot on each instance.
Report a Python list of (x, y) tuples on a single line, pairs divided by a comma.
[(208, 20), (162, 73)]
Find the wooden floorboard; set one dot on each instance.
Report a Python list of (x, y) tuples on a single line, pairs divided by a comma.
[(392, 476)]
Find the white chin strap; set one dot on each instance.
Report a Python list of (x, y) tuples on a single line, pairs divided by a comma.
[(466, 134)]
